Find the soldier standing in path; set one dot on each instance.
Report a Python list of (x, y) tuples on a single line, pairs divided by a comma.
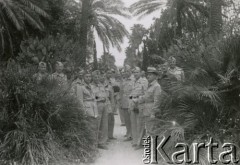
[(136, 109), (87, 100), (151, 98), (111, 119), (125, 91), (101, 99)]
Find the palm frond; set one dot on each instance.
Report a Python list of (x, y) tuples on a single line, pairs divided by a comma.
[(145, 7)]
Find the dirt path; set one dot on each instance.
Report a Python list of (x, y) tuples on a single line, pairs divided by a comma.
[(119, 152)]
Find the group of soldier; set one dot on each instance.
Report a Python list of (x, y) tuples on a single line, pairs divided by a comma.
[(100, 94)]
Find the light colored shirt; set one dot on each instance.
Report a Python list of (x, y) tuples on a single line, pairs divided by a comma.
[(139, 87), (125, 91), (61, 78), (178, 73), (110, 102), (40, 76), (100, 92), (87, 99), (151, 99)]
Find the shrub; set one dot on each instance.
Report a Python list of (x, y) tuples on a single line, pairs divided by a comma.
[(40, 123), (207, 103)]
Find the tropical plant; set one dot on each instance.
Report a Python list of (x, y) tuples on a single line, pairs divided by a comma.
[(41, 123), (181, 11), (206, 104), (49, 50), (16, 15), (100, 15)]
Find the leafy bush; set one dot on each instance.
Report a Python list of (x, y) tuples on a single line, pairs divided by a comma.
[(49, 50), (40, 123), (207, 103)]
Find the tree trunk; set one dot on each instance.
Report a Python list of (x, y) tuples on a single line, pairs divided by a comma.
[(95, 62), (180, 5), (215, 21), (145, 57), (81, 60)]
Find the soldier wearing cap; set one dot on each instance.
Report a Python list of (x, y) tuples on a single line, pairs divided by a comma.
[(87, 100), (125, 91), (136, 110), (42, 72), (59, 76), (175, 71), (151, 98), (101, 99)]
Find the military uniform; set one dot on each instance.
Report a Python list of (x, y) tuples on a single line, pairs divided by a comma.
[(38, 77), (61, 78), (42, 74), (101, 96), (152, 101), (177, 72), (87, 100), (111, 106), (125, 91), (136, 110)]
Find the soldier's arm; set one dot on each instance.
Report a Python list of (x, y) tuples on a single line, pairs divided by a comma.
[(182, 76), (157, 99), (79, 94)]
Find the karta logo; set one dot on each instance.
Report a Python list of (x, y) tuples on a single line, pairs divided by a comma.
[(153, 149)]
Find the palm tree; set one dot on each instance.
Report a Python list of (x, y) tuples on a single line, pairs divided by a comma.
[(179, 10), (215, 22), (99, 14), (15, 15)]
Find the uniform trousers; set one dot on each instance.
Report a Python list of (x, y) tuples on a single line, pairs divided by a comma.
[(121, 114), (102, 123), (126, 114), (134, 118), (111, 122), (142, 127)]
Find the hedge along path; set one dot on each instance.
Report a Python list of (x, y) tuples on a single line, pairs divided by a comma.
[(119, 152)]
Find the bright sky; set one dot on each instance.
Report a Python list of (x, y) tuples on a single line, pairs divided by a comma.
[(146, 21)]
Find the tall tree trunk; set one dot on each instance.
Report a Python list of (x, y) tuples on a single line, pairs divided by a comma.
[(215, 21), (95, 62), (81, 60), (145, 57), (180, 5)]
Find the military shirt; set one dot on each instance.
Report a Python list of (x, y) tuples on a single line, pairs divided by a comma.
[(76, 85), (177, 72), (151, 99), (100, 92), (110, 101), (125, 91), (138, 88), (87, 98), (40, 76), (61, 78)]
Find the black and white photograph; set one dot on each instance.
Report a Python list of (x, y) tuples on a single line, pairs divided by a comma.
[(119, 82)]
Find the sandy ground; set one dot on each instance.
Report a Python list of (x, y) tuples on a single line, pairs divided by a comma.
[(119, 152)]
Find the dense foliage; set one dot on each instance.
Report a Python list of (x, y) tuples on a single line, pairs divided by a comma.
[(41, 123)]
